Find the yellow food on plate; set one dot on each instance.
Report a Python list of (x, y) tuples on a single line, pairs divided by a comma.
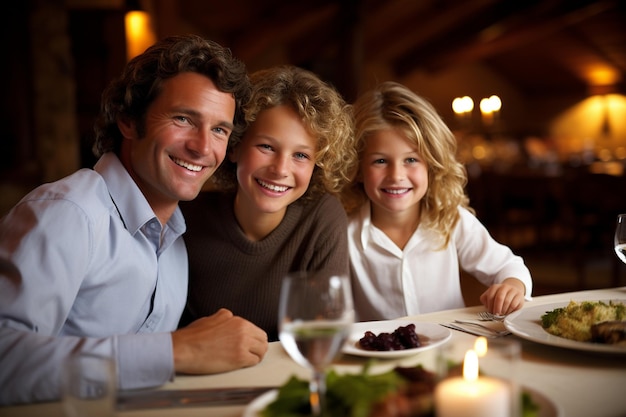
[(575, 321)]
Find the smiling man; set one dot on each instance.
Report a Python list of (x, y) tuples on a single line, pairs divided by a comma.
[(101, 266)]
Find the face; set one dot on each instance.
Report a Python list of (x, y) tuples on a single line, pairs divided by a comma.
[(275, 161), (186, 132), (394, 175)]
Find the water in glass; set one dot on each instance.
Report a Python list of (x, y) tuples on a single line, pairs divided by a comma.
[(315, 318)]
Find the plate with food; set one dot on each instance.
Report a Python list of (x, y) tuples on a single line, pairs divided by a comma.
[(594, 326), (394, 338), (375, 393)]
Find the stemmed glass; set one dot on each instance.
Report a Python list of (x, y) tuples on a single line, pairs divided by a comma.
[(88, 386), (620, 237), (315, 317)]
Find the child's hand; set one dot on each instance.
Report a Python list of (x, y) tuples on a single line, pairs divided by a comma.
[(504, 298)]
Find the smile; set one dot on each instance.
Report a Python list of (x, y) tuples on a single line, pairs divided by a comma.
[(396, 190), (187, 165), (272, 187)]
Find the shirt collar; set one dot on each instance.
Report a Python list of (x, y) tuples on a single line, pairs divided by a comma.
[(365, 214), (128, 198)]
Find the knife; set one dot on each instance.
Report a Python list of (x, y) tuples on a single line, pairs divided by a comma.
[(135, 400), (472, 332)]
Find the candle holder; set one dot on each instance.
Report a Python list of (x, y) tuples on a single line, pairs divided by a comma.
[(478, 378)]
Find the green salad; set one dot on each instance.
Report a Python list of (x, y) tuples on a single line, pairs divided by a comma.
[(357, 395), (350, 395)]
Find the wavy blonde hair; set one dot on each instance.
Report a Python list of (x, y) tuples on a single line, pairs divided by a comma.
[(393, 106), (323, 111)]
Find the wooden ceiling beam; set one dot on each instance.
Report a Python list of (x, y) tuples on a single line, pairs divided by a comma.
[(413, 28), (286, 24), (443, 55)]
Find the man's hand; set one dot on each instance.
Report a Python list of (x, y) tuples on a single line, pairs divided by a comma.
[(218, 343)]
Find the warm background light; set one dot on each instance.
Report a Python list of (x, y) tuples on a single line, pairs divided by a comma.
[(490, 105), (462, 105), (496, 103), (489, 108), (597, 122), (602, 75), (139, 33)]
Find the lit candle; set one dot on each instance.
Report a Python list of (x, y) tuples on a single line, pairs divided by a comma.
[(486, 111), (490, 109), (462, 107), (459, 109), (472, 396)]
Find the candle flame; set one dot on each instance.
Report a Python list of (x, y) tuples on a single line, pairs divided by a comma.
[(470, 366), (462, 105), (490, 105), (480, 346)]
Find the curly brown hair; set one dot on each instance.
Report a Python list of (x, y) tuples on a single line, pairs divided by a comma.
[(393, 106), (323, 111), (130, 95)]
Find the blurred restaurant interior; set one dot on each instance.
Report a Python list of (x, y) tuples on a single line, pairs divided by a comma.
[(534, 89)]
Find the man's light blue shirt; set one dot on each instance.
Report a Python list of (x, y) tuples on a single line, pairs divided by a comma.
[(98, 273)]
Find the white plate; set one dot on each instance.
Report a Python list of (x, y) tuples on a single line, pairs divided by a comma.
[(546, 407), (430, 336), (259, 403), (526, 323)]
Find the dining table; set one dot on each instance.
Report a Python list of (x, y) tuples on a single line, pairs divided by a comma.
[(578, 383)]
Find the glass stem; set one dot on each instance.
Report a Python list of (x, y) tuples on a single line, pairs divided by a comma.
[(317, 396)]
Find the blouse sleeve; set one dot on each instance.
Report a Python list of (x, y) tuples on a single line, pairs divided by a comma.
[(486, 259)]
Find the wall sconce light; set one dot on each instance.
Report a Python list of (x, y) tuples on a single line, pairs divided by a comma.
[(602, 79), (462, 107), (490, 109), (139, 31)]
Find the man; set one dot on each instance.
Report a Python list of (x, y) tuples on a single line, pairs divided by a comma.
[(101, 266)]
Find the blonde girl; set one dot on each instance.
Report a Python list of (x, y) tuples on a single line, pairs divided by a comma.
[(410, 224)]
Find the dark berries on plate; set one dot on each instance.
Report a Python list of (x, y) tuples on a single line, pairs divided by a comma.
[(404, 337)]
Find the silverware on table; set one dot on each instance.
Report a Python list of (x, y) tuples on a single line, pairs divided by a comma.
[(476, 331), (135, 400), (482, 326), (487, 316)]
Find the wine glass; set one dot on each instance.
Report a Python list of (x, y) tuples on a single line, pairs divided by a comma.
[(620, 237), (315, 317), (88, 386)]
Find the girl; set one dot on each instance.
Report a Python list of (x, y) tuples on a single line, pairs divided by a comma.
[(410, 225), (274, 210)]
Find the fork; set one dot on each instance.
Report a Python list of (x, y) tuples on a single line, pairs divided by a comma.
[(487, 328), (487, 316)]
